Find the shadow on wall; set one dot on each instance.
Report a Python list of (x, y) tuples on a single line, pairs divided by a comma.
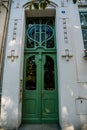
[(84, 127)]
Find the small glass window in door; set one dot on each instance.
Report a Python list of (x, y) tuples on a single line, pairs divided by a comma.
[(49, 80), (84, 32), (83, 18), (30, 42), (31, 73)]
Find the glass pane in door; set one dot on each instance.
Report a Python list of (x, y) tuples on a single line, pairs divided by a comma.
[(49, 82), (31, 73)]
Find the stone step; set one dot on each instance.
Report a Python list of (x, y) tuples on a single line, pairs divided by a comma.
[(39, 127)]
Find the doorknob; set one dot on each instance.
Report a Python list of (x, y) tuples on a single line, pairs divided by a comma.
[(42, 93)]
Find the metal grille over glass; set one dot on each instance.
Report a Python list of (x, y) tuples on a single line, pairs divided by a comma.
[(83, 19), (40, 33)]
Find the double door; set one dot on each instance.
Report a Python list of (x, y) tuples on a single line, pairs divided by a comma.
[(40, 99)]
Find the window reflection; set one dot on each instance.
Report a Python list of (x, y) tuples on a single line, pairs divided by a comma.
[(49, 82), (30, 43), (50, 43), (84, 32), (31, 73), (83, 20)]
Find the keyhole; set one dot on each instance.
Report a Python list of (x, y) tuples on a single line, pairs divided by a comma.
[(81, 101)]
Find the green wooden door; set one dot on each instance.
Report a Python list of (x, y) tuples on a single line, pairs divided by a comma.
[(40, 91)]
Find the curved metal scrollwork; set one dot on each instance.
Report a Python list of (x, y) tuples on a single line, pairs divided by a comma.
[(40, 35)]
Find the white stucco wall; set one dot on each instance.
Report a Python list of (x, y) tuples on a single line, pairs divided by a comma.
[(72, 72), (4, 14), (12, 77)]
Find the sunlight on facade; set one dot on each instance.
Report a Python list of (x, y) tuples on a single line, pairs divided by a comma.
[(12, 42), (6, 103), (64, 112), (77, 27), (85, 85), (70, 91), (69, 128)]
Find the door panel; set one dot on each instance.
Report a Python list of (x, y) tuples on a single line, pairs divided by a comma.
[(40, 100), (31, 103), (49, 89)]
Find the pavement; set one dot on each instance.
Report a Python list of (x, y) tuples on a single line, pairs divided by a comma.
[(36, 127), (39, 127)]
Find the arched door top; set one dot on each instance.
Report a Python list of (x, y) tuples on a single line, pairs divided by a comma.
[(50, 3)]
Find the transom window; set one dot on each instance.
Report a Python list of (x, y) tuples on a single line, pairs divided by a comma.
[(40, 33), (83, 20)]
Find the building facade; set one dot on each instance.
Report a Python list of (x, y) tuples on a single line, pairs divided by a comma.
[(45, 66), (4, 13), (4, 10)]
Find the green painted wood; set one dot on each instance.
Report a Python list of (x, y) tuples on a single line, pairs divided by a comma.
[(31, 111), (50, 97), (40, 105)]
